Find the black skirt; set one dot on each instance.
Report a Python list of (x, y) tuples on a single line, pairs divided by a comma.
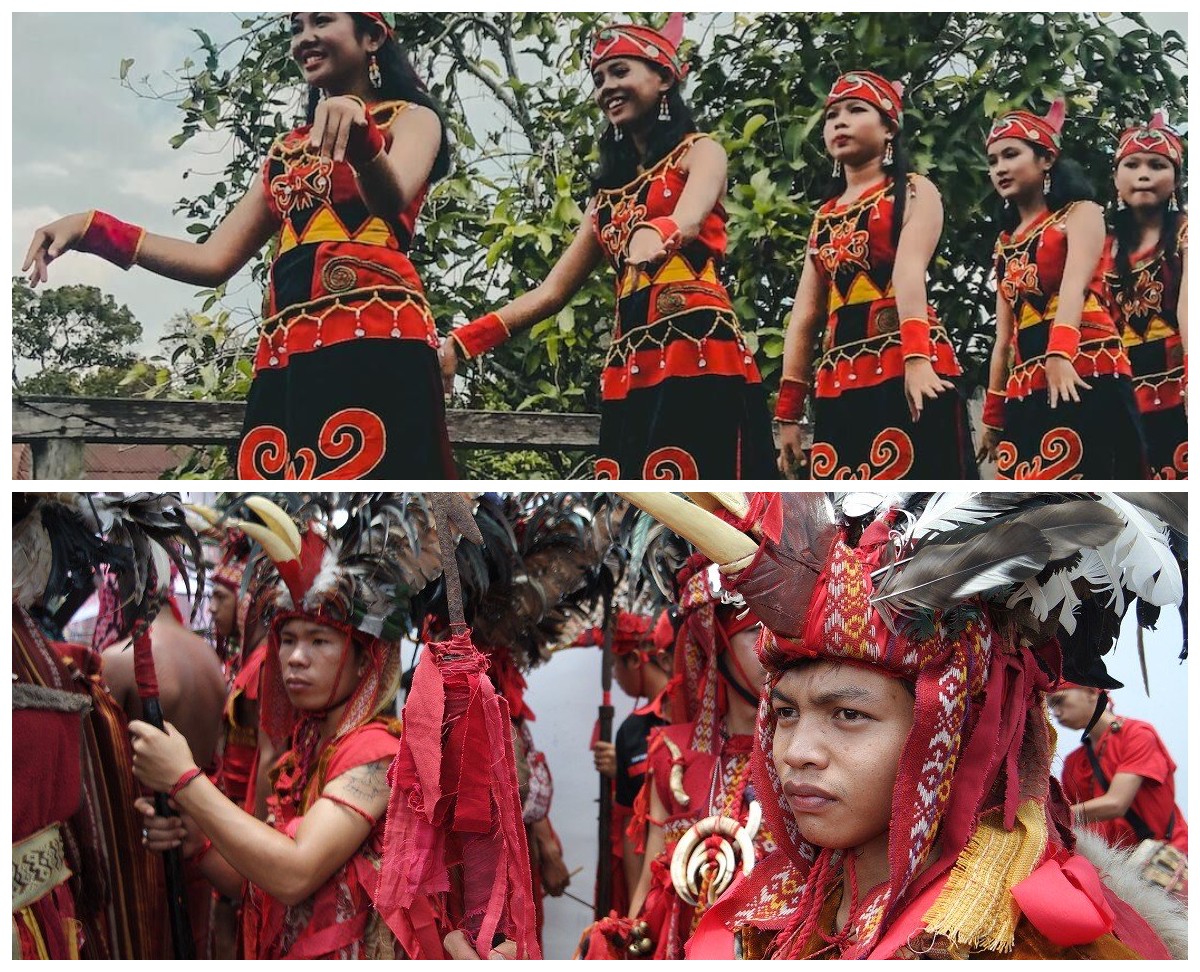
[(1166, 442), (360, 409), (694, 427), (1099, 437), (868, 434)]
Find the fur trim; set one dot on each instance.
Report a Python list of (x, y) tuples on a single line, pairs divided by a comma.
[(1162, 912), (38, 697)]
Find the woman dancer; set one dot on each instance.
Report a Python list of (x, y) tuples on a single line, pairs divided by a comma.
[(1065, 409), (681, 395), (1147, 276), (346, 381), (883, 403)]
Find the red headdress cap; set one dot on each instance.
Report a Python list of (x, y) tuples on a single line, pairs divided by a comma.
[(1156, 137), (659, 47), (1043, 131), (634, 633), (873, 88), (664, 631), (378, 18)]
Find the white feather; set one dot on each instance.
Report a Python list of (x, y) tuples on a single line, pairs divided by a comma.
[(326, 580), (1056, 594), (1148, 568)]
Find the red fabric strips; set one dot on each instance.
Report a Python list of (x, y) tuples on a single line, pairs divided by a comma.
[(454, 801)]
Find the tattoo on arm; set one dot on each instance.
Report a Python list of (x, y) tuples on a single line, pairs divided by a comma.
[(366, 783)]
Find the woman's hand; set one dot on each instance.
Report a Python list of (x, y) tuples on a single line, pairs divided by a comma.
[(50, 242), (448, 359), (646, 247), (332, 123), (459, 947), (791, 448), (604, 755), (159, 758), (989, 442), (166, 833), (1063, 381), (921, 382)]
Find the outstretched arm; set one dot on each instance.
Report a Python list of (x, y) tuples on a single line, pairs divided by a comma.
[(239, 236), (707, 172)]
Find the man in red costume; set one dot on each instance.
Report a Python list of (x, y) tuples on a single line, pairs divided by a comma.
[(330, 679), (902, 750), (1135, 800)]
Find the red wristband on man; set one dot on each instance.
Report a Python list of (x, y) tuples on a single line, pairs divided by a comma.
[(993, 409), (365, 143), (106, 236), (1064, 341), (789, 407), (914, 338), (481, 335), (183, 781)]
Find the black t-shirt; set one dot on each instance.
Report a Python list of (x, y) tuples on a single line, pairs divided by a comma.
[(631, 753)]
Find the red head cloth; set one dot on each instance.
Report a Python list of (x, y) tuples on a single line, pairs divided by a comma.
[(1156, 137), (980, 742), (664, 632), (378, 18), (659, 47), (870, 87), (1042, 131), (634, 633)]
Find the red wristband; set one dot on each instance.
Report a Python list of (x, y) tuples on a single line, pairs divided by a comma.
[(789, 407), (365, 143), (664, 226), (481, 335), (993, 409), (184, 781), (199, 855), (1064, 341), (914, 338), (106, 236)]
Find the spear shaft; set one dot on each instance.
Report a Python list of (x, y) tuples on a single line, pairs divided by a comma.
[(604, 865)]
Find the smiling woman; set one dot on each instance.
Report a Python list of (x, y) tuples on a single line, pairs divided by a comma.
[(346, 381), (681, 395)]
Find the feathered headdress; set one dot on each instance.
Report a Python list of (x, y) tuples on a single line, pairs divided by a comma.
[(968, 597)]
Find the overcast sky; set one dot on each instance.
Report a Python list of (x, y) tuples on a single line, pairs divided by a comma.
[(82, 141)]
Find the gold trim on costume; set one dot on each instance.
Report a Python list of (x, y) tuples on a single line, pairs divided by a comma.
[(39, 865)]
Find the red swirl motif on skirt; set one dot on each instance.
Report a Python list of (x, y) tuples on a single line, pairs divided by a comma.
[(1061, 451), (355, 435), (1179, 466), (606, 469), (891, 457), (670, 462)]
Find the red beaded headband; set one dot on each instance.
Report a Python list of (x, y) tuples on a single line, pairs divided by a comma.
[(1155, 137), (378, 18), (1035, 129), (645, 43), (870, 87)]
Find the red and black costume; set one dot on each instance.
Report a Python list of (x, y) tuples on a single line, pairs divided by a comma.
[(681, 395), (858, 379), (346, 382), (1146, 306), (1100, 436)]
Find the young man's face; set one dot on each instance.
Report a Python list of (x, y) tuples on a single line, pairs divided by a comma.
[(1073, 708), (839, 732)]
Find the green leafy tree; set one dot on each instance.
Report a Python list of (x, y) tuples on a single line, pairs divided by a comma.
[(72, 340), (524, 126)]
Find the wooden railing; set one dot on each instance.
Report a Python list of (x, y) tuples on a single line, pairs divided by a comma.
[(57, 428)]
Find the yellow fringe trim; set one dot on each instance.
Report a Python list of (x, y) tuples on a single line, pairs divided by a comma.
[(976, 909)]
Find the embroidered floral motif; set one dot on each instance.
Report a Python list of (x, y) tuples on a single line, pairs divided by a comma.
[(1020, 278), (846, 247)]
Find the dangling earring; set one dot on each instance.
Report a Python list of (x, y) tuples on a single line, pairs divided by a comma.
[(1046, 184), (1120, 204), (374, 75), (837, 168), (888, 156), (664, 110), (617, 133), (1173, 205)]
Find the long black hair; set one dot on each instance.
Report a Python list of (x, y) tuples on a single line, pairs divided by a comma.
[(619, 160), (1068, 183), (400, 83), (898, 171), (1125, 231)]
